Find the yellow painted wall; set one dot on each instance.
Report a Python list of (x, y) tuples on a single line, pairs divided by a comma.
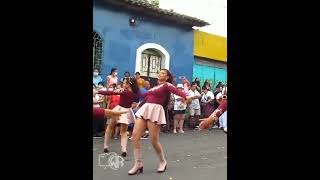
[(210, 46)]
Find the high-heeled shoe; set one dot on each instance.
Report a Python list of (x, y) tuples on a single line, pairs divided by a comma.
[(140, 170), (161, 171), (124, 154), (105, 150)]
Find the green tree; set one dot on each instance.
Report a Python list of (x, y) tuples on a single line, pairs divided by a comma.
[(154, 2)]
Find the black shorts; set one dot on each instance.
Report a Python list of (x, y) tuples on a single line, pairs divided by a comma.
[(179, 112)]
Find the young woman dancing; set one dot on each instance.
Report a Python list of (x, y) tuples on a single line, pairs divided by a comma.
[(151, 115), (128, 95)]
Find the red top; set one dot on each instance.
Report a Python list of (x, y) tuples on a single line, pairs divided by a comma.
[(114, 101), (126, 97), (98, 113), (222, 108), (160, 93)]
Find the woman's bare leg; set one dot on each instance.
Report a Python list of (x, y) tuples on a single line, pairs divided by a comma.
[(181, 121), (138, 129), (175, 123), (124, 137), (154, 130), (108, 133)]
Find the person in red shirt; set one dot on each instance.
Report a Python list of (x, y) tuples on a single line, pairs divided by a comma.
[(128, 95), (151, 115), (113, 101)]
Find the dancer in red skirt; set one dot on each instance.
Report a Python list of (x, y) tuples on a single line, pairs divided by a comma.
[(128, 95), (151, 115)]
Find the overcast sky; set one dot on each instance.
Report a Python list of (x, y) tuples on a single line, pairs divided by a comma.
[(211, 11)]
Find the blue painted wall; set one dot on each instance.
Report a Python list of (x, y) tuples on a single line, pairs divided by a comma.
[(121, 42)]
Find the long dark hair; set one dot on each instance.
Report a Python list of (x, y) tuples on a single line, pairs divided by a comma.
[(133, 84), (169, 80), (112, 70), (169, 74), (197, 80)]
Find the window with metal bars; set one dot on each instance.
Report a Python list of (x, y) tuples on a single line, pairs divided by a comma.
[(151, 63), (97, 50)]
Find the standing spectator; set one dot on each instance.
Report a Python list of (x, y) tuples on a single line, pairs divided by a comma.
[(207, 101), (219, 84), (139, 80), (174, 81), (207, 85), (224, 89), (197, 81), (112, 78), (144, 89), (223, 117), (179, 111), (186, 84), (218, 97), (96, 77), (126, 75), (194, 107), (104, 98), (218, 100)]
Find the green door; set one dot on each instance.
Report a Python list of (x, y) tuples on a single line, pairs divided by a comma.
[(213, 74)]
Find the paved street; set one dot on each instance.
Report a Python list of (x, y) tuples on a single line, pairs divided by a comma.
[(193, 155)]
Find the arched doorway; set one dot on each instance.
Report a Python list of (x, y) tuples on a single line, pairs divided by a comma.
[(97, 50), (151, 58)]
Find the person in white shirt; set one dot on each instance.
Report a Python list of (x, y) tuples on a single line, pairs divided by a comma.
[(207, 96), (220, 97), (179, 111), (223, 117), (97, 100), (194, 107)]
